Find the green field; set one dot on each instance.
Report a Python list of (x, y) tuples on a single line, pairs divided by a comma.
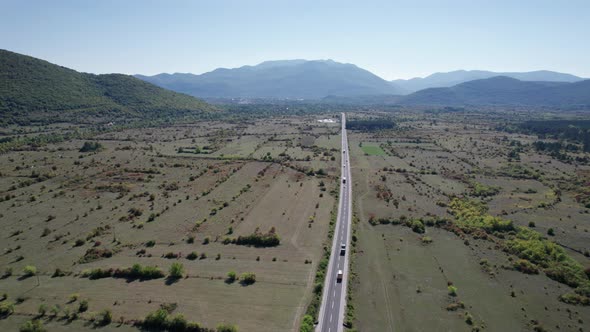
[(373, 150)]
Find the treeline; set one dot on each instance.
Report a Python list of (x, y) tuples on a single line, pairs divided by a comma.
[(572, 130), (136, 272), (370, 124), (257, 239)]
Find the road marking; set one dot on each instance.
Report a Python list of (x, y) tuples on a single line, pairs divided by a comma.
[(332, 304), (330, 318)]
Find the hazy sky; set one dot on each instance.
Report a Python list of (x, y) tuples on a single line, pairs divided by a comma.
[(393, 39)]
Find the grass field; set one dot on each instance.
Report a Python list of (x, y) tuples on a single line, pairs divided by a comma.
[(138, 200), (402, 277), (373, 150)]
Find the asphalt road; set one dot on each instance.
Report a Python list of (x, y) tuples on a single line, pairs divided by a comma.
[(331, 316)]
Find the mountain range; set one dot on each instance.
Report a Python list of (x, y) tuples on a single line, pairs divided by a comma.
[(289, 79), (440, 80), (317, 79), (505, 91), (36, 90)]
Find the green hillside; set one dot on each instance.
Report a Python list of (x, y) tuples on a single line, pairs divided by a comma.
[(36, 90)]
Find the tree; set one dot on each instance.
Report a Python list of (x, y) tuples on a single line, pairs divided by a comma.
[(248, 278), (30, 271), (176, 270), (32, 326)]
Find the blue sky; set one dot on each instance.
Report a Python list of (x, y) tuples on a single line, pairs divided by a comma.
[(393, 39)]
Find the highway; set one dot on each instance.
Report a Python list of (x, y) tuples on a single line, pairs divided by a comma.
[(331, 315)]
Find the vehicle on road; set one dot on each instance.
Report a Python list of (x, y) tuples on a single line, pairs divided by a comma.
[(339, 277), (342, 249), (343, 180)]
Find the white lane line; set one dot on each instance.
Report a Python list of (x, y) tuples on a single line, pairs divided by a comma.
[(332, 304), (330, 318)]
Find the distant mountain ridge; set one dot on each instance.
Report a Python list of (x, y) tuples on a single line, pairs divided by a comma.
[(32, 88), (503, 91), (294, 79), (448, 79)]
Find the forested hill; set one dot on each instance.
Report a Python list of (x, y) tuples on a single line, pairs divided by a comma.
[(36, 90)]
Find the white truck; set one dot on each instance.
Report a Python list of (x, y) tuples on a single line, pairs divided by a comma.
[(339, 276), (343, 180)]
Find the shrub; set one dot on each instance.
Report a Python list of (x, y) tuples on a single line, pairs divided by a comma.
[(156, 320), (550, 232), (468, 318), (177, 323), (55, 310), (74, 297), (91, 147), (29, 271), (176, 270), (105, 317), (248, 278), (226, 328), (231, 276), (192, 256), (79, 242), (417, 226), (171, 255), (58, 273), (34, 325), (42, 309), (525, 266), (94, 254), (307, 324), (257, 239), (6, 309), (452, 290), (7, 272), (83, 307), (426, 239)]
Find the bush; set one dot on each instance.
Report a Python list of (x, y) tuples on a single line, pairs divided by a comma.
[(231, 276), (29, 271), (156, 320), (417, 226), (176, 270), (177, 323), (525, 266), (248, 278), (34, 325), (452, 290), (550, 232), (257, 239), (91, 147), (226, 328), (307, 324), (105, 317), (58, 273), (426, 240), (42, 309), (135, 272), (6, 309), (192, 256), (83, 307)]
